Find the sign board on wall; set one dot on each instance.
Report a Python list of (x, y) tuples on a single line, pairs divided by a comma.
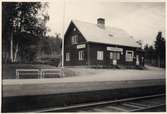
[(114, 49), (81, 46)]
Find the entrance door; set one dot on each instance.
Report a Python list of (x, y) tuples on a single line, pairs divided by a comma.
[(137, 60), (114, 57)]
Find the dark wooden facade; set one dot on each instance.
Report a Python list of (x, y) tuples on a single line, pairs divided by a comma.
[(90, 52)]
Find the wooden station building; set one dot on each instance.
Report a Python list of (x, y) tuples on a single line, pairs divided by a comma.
[(97, 45)]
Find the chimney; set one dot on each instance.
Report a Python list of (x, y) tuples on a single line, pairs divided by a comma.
[(101, 22)]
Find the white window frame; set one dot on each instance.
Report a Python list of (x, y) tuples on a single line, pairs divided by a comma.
[(67, 56), (111, 55), (100, 55), (74, 29), (74, 39), (129, 57), (115, 55), (80, 55)]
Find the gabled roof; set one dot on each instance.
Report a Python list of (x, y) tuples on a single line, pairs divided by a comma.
[(107, 35)]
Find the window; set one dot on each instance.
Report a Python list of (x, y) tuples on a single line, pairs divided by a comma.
[(67, 56), (118, 56), (99, 55), (129, 56), (74, 29), (74, 39), (115, 55), (111, 55), (81, 55)]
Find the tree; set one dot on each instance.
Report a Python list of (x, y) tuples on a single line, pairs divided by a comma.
[(155, 54), (160, 48), (21, 17), (49, 50), (140, 42), (146, 50)]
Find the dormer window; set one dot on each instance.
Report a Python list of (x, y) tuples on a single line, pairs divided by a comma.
[(74, 39), (111, 35)]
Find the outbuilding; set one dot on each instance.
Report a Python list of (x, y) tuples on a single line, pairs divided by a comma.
[(97, 45)]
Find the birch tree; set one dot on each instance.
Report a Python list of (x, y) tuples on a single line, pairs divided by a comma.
[(21, 17)]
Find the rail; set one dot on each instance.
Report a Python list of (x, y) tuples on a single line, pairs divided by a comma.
[(112, 105)]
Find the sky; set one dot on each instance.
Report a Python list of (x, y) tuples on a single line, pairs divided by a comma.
[(142, 20)]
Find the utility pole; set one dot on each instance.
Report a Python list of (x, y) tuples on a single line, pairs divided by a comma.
[(11, 46), (63, 32)]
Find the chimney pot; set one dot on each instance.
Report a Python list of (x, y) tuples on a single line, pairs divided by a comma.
[(101, 22)]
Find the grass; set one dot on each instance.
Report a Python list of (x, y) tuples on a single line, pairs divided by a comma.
[(9, 70)]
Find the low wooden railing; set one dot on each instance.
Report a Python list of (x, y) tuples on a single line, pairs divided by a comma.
[(39, 73)]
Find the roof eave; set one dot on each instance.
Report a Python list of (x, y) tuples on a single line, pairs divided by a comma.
[(114, 44)]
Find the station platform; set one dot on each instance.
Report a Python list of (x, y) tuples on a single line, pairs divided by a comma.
[(102, 79), (31, 94)]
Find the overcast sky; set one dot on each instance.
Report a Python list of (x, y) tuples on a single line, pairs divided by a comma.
[(142, 20)]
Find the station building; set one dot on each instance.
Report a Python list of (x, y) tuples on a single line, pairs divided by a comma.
[(97, 45)]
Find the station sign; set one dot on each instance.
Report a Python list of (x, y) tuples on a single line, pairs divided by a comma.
[(114, 49), (81, 46)]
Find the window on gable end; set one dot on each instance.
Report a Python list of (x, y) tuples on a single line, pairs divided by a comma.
[(74, 39), (74, 29)]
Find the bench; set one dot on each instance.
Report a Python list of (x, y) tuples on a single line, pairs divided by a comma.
[(27, 73), (39, 73), (51, 73)]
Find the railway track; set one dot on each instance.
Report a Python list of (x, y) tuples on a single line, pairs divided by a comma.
[(152, 103)]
